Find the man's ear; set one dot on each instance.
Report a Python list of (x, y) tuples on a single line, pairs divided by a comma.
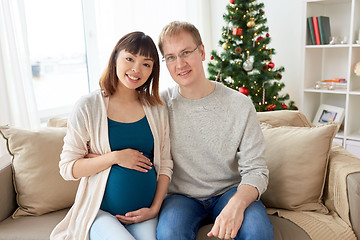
[(202, 49)]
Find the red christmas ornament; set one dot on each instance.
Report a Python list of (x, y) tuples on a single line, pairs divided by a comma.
[(244, 90), (267, 35), (271, 65), (284, 106), (237, 31), (232, 1), (271, 107), (211, 57), (259, 39)]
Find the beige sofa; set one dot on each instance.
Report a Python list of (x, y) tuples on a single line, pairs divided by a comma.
[(336, 209)]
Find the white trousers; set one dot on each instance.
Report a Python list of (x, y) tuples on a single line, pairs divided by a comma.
[(107, 227)]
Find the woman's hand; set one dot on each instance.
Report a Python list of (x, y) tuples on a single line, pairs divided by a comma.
[(128, 158), (137, 216), (131, 159)]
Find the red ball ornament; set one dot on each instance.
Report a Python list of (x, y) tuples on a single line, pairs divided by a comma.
[(211, 57), (259, 39), (244, 90), (232, 1), (284, 106), (267, 35), (271, 65)]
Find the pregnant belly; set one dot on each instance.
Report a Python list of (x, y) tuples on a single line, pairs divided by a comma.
[(128, 190)]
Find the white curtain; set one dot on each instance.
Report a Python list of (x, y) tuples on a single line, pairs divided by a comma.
[(17, 102)]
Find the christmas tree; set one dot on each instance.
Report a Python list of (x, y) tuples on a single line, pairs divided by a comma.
[(245, 63)]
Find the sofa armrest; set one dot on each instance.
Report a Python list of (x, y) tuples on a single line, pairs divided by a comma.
[(353, 185), (342, 186), (7, 200)]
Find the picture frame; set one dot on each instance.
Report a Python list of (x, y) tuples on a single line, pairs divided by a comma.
[(327, 113)]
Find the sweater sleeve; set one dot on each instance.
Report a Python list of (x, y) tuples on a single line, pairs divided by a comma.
[(75, 141), (251, 161), (166, 167)]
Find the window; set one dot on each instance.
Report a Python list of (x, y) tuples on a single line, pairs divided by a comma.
[(57, 54), (70, 42)]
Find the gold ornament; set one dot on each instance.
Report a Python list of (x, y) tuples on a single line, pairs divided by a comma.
[(224, 46), (251, 23)]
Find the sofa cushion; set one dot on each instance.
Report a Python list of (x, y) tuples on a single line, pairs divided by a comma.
[(37, 181), (284, 118), (297, 159), (31, 227), (57, 122)]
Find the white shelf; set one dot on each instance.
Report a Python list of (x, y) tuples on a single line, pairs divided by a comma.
[(323, 62), (329, 46)]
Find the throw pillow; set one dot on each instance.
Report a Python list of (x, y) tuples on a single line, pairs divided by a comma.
[(37, 181), (57, 122), (297, 159)]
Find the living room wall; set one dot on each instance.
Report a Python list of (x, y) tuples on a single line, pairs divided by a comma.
[(285, 22)]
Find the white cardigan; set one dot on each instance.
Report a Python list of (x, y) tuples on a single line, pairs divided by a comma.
[(87, 126)]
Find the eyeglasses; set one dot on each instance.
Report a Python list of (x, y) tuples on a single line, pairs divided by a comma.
[(183, 55)]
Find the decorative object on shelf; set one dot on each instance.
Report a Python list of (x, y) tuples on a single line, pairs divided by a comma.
[(317, 85), (327, 113), (358, 41), (344, 40), (357, 69), (332, 40)]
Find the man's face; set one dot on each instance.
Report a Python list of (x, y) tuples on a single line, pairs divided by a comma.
[(184, 59)]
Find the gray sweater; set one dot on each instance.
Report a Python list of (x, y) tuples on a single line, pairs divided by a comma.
[(216, 143)]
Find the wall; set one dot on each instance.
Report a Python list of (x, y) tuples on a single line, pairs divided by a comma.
[(285, 19)]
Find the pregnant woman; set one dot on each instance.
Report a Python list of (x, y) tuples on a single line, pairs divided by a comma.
[(117, 144)]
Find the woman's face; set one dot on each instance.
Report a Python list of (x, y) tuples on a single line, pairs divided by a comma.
[(133, 70)]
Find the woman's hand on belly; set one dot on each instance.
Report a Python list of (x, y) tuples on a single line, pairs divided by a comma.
[(137, 216), (132, 159), (128, 158)]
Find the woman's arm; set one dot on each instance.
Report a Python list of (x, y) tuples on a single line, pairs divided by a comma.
[(95, 163)]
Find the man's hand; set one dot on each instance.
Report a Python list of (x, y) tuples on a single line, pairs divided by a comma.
[(228, 222)]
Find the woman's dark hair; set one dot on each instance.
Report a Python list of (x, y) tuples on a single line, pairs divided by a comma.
[(134, 43)]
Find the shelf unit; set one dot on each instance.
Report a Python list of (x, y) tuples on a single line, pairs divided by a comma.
[(334, 61)]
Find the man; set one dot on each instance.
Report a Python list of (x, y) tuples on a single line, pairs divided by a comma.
[(217, 147)]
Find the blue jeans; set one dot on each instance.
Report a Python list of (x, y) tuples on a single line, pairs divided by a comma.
[(107, 227), (181, 217)]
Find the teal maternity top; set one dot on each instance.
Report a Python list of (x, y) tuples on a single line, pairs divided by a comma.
[(127, 189)]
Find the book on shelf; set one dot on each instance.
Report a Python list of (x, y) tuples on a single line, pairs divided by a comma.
[(319, 30), (324, 29), (316, 31), (311, 30), (332, 84)]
